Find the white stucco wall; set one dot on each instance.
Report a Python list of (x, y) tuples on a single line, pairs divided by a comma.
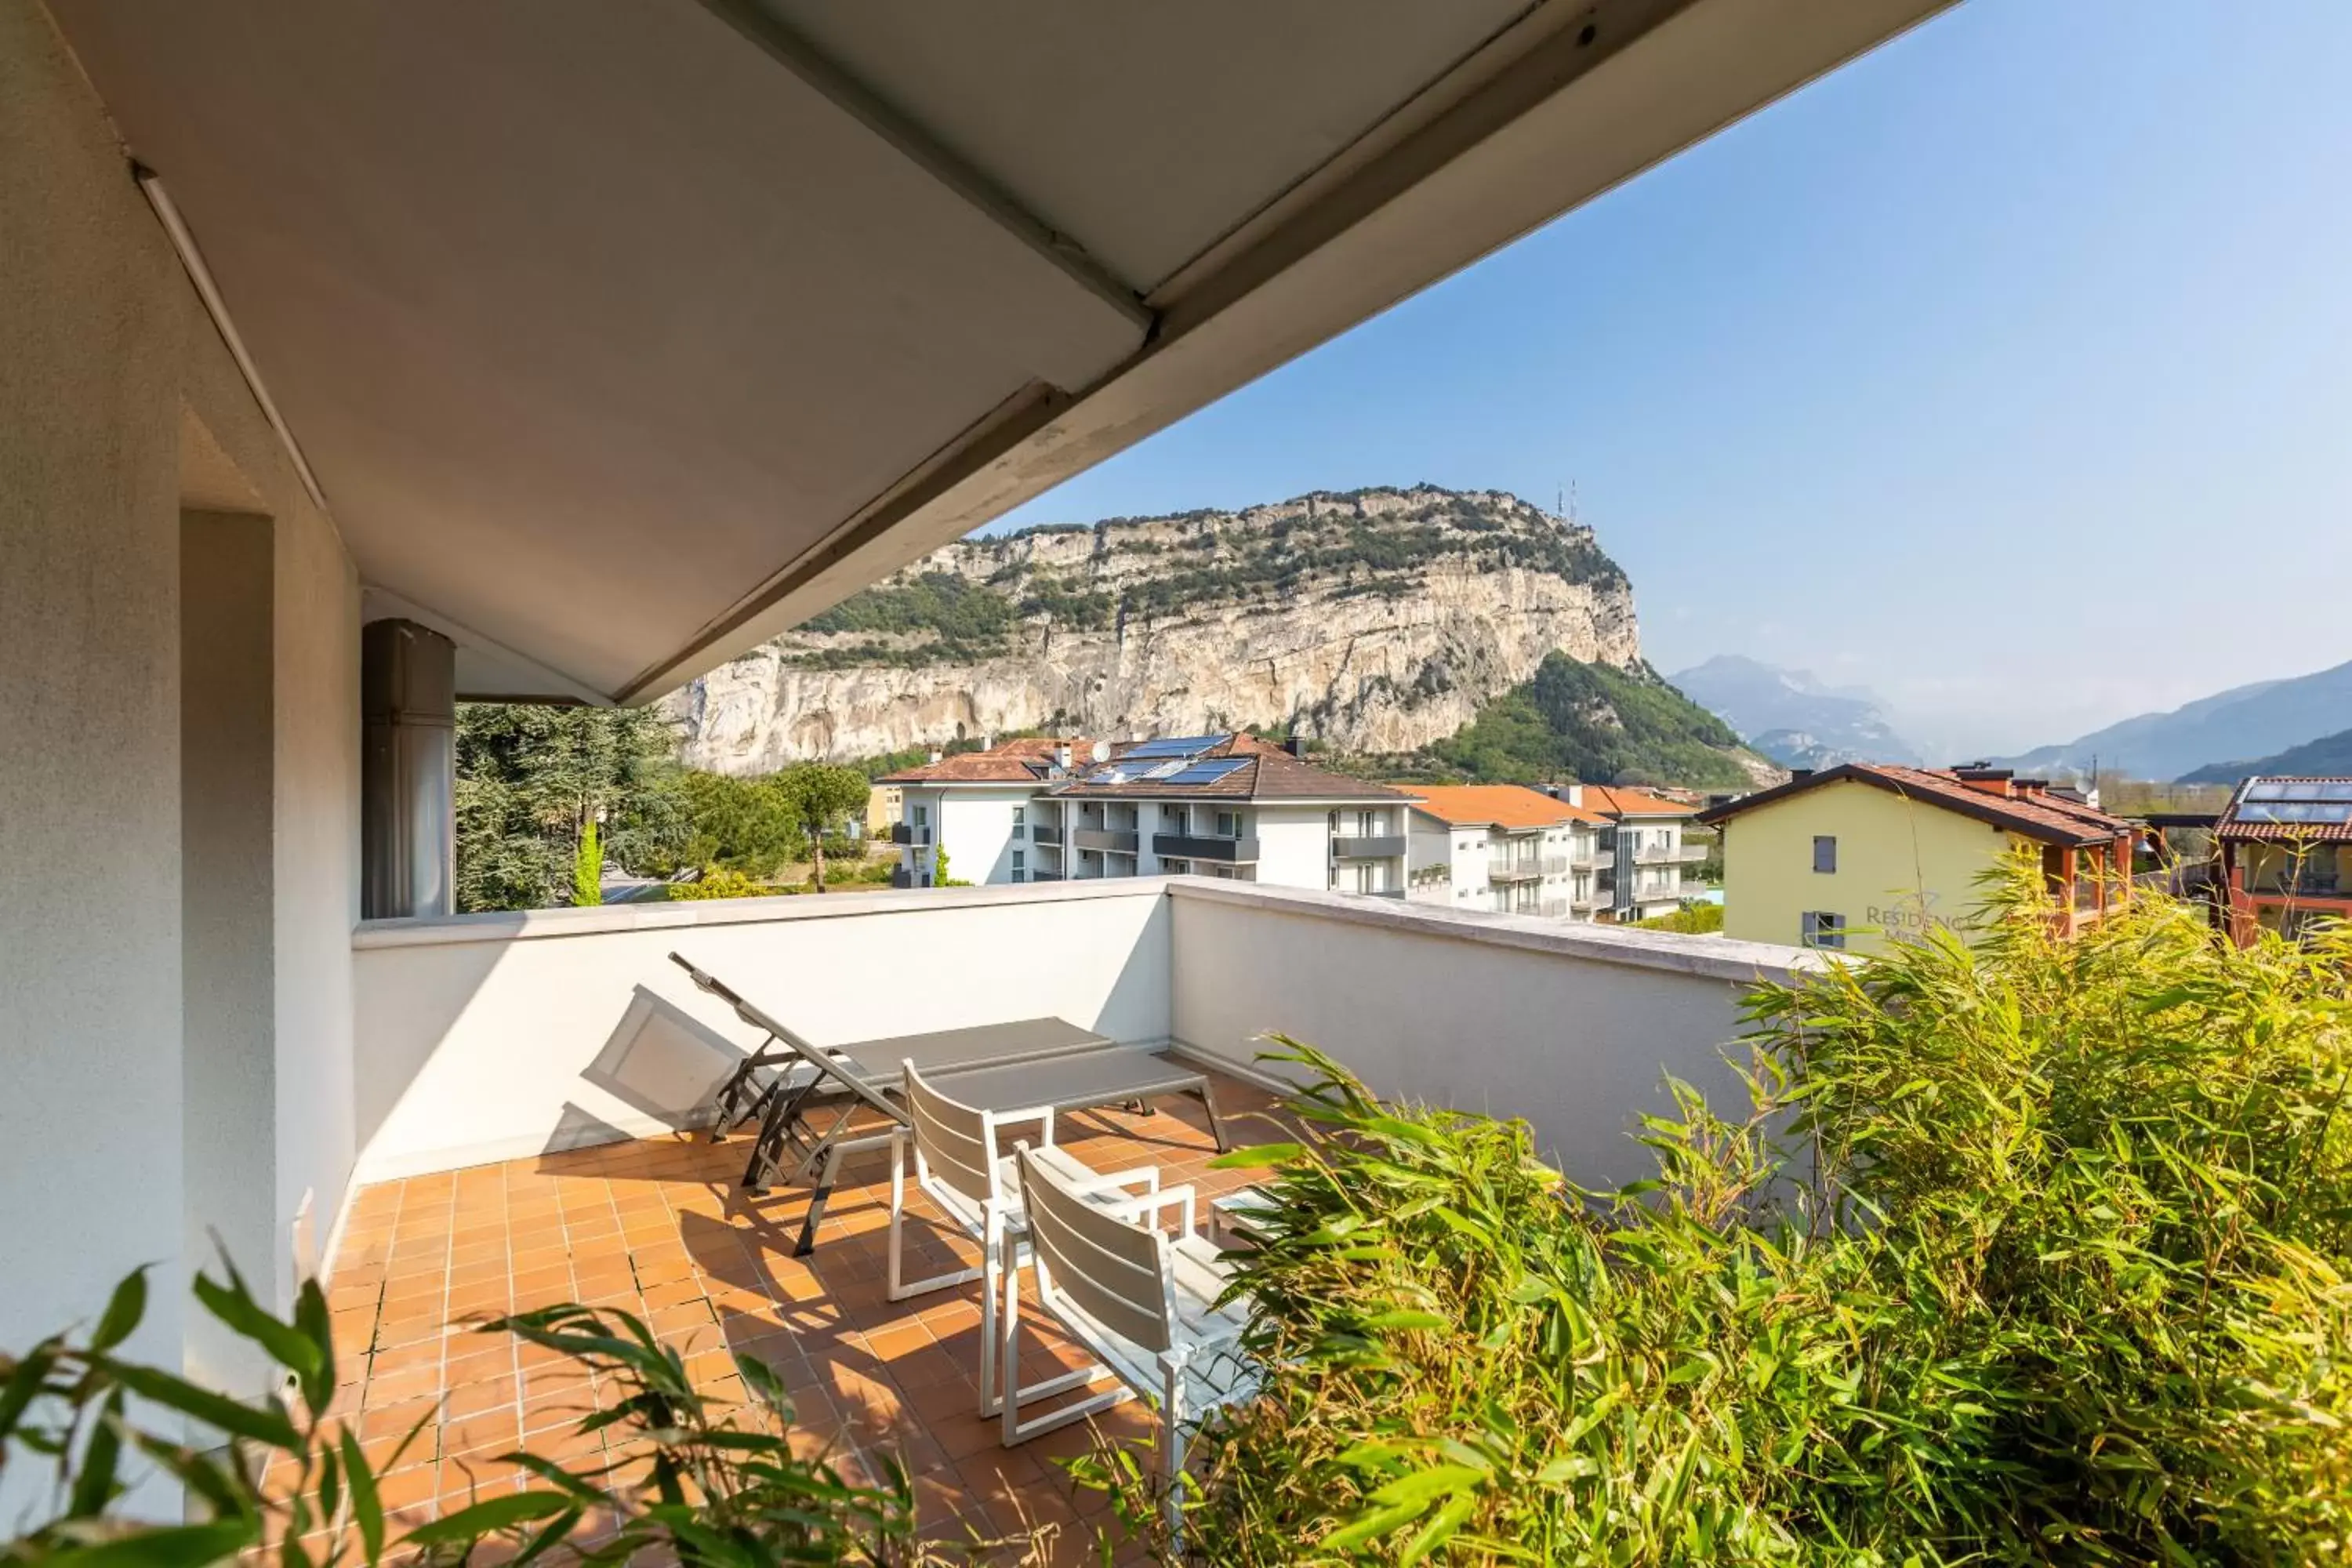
[(493, 1036), (1294, 845), (1570, 1026), (90, 342), (976, 830), (119, 407)]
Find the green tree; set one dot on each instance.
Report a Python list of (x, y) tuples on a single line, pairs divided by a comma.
[(820, 798), (530, 778), (743, 825), (588, 868)]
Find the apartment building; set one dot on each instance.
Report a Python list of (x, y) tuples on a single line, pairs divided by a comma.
[(2286, 855), (977, 808), (1507, 848), (1859, 856), (1642, 857), (1217, 805)]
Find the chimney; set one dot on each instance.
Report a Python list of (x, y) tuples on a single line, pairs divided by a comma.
[(1796, 774), (1572, 793), (988, 740), (935, 754), (1984, 779), (1062, 756), (1295, 744)]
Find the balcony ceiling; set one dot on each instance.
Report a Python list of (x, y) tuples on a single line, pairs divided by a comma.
[(621, 336)]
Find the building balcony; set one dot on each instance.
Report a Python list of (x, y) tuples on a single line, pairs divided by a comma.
[(1681, 855), (901, 878), (1047, 833), (907, 834), (1368, 845), (1513, 870), (1205, 846), (1108, 840)]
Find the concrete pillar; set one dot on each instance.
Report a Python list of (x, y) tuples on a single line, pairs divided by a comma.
[(227, 898)]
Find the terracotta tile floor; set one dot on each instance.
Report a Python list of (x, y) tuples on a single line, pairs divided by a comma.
[(662, 1228)]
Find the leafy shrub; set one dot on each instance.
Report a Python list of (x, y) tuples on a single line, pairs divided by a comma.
[(1691, 920), (719, 882), (697, 1487), (2036, 1252)]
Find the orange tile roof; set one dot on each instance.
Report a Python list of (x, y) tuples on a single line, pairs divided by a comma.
[(1502, 806), (1616, 802), (1025, 761)]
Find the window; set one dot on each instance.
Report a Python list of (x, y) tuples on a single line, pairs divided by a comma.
[(1019, 817), (922, 816), (1019, 875), (1229, 825), (1017, 863), (1824, 852), (1823, 928)]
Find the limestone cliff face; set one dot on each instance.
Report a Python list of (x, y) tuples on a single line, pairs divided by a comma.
[(1379, 621)]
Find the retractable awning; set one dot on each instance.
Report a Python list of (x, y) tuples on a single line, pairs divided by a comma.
[(622, 335)]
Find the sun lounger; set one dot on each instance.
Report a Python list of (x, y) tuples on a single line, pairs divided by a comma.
[(1029, 1062)]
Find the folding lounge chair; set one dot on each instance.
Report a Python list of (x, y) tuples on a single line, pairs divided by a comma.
[(1144, 1303), (961, 1165), (1035, 1062)]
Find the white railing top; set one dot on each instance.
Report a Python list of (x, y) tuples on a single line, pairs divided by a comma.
[(526, 925), (1720, 958), (1716, 957)]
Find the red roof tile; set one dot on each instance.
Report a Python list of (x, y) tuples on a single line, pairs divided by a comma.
[(1500, 806), (2049, 819)]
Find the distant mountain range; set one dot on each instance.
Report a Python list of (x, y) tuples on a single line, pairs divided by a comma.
[(2328, 755), (2263, 720), (1792, 717)]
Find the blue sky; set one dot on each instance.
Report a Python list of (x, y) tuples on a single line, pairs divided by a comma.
[(2007, 372)]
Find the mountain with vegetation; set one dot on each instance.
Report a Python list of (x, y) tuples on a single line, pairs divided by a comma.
[(2263, 720), (1378, 620), (1792, 717), (2330, 756), (1592, 722)]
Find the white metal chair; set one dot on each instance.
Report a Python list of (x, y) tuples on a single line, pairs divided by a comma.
[(961, 1166), (1144, 1303)]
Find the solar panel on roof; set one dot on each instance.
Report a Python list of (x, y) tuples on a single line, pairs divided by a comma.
[(1164, 770), (2340, 790), (2297, 811), (1209, 772), (2268, 790), (1179, 746)]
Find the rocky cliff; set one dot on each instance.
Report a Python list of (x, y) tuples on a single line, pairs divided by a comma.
[(1379, 621)]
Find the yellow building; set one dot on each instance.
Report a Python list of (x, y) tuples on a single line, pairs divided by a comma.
[(1857, 856)]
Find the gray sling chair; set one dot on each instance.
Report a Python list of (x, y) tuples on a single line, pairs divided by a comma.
[(1145, 1303), (1030, 1062), (961, 1165)]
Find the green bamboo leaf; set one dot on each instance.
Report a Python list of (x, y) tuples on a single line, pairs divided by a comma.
[(1438, 1481), (1259, 1157), (173, 1546), (262, 1423), (1441, 1525), (94, 1487), (1371, 1526), (489, 1517), (124, 1310), (314, 1323), (554, 1474), (367, 1506), (25, 1383), (236, 1309)]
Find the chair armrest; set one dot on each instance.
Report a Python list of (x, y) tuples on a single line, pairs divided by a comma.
[(1146, 1176), (1041, 1114), (1151, 1203)]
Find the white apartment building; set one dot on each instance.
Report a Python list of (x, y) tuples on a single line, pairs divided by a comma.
[(1507, 848), (978, 808), (1218, 805), (1643, 855)]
